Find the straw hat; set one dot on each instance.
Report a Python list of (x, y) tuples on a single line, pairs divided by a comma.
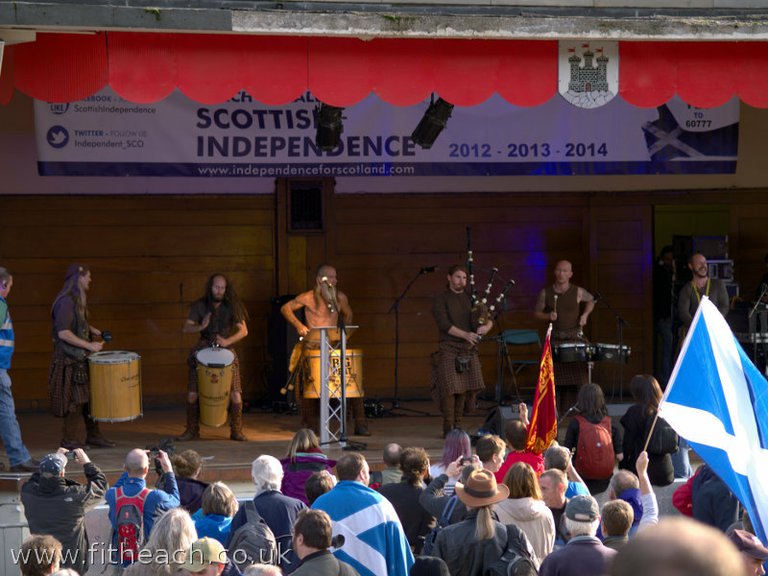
[(481, 489)]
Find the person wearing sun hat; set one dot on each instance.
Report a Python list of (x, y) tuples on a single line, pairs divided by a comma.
[(472, 545), (583, 553), (206, 557)]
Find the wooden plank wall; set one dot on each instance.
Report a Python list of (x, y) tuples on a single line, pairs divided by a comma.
[(151, 256), (381, 242)]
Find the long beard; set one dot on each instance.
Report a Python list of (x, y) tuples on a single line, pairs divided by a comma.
[(328, 293)]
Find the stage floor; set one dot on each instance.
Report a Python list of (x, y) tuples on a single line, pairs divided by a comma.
[(268, 432)]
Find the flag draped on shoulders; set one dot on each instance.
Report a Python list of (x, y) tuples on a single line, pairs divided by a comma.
[(718, 401), (374, 541), (543, 420)]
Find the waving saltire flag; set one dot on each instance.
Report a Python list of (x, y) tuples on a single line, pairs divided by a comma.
[(374, 541), (718, 401), (543, 421)]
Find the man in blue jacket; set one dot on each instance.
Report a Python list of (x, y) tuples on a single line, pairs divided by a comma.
[(18, 455), (132, 486)]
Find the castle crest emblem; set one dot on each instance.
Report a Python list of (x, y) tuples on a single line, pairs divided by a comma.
[(588, 72)]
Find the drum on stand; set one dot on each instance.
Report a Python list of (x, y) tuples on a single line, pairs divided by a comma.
[(572, 352), (214, 382), (611, 353), (115, 379), (354, 374)]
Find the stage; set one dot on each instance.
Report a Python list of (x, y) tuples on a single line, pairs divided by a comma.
[(226, 460)]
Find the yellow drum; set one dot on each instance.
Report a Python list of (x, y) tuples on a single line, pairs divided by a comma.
[(354, 374), (214, 381), (115, 386)]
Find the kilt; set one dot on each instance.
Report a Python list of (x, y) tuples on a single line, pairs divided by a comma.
[(192, 365), (64, 393), (446, 380)]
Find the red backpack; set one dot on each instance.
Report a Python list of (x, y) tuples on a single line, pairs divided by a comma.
[(129, 524), (594, 452)]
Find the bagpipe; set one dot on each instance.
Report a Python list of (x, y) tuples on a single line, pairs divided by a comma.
[(481, 311)]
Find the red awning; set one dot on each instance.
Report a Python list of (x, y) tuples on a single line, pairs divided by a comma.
[(146, 67)]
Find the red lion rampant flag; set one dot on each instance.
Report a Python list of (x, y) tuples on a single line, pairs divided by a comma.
[(543, 421)]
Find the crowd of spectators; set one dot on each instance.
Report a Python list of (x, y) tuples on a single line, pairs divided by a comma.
[(463, 516)]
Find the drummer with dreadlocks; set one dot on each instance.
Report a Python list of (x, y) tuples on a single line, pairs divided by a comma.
[(322, 306), (456, 371), (219, 317)]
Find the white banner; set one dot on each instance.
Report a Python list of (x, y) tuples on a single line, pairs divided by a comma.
[(105, 135)]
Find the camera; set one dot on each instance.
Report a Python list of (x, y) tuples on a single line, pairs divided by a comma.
[(70, 455), (466, 461), (154, 451)]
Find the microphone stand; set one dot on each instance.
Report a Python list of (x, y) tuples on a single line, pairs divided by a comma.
[(620, 323), (396, 309)]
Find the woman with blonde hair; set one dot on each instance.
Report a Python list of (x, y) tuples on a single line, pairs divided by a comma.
[(303, 458), (166, 550), (472, 545), (526, 509)]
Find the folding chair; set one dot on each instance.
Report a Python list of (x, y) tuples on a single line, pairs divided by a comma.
[(527, 338)]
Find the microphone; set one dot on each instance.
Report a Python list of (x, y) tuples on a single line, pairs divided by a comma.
[(572, 410), (428, 269)]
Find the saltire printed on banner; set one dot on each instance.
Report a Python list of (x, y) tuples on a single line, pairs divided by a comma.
[(717, 400), (543, 421)]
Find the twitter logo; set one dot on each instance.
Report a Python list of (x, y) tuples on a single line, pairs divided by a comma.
[(57, 136)]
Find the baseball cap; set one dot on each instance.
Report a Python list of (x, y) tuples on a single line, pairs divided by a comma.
[(749, 544), (203, 553), (53, 464), (582, 508)]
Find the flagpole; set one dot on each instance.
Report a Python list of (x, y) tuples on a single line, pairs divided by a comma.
[(653, 425)]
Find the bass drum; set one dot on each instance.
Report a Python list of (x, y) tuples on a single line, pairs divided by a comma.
[(115, 386), (214, 382), (353, 376)]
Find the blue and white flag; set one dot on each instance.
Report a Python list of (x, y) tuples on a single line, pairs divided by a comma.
[(718, 401), (374, 541)]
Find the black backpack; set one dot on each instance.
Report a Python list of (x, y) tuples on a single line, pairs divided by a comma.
[(442, 522), (253, 542), (664, 440), (516, 559)]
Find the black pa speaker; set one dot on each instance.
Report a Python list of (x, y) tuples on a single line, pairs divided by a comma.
[(497, 420)]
